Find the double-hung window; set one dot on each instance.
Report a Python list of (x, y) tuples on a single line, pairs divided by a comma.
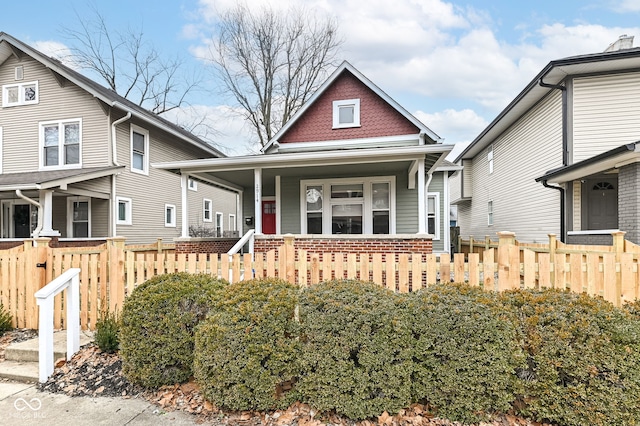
[(170, 215), (219, 225), (60, 143), (20, 94), (490, 213), (348, 206), (206, 211), (79, 217), (433, 214), (139, 150)]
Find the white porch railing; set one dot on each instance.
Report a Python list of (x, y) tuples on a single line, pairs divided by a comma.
[(70, 280), (248, 237)]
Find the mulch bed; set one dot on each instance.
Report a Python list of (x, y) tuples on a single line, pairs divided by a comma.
[(94, 373)]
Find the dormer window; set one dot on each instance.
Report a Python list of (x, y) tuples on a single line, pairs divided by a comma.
[(346, 113)]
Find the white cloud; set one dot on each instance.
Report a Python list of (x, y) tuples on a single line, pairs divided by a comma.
[(55, 49), (453, 125)]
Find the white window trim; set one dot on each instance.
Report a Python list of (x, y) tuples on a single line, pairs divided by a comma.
[(436, 195), (70, 202), (192, 184), (336, 113), (367, 208), (171, 207), (204, 210), (21, 100), (490, 213), (60, 123), (129, 211), (490, 159), (232, 222), (145, 163)]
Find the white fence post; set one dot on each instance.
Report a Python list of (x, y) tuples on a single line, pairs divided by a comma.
[(70, 280)]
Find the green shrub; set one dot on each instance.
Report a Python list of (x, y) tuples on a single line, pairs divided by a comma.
[(107, 329), (5, 320), (582, 358), (465, 352), (356, 354), (247, 350), (158, 326)]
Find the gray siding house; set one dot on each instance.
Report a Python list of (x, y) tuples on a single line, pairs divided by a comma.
[(75, 160), (563, 156), (351, 165)]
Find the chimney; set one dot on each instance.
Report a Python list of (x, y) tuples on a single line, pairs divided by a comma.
[(623, 42)]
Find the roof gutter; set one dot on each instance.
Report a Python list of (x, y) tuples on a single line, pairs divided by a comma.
[(565, 151), (36, 231), (114, 152)]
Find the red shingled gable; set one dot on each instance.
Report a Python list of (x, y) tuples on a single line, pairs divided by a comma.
[(377, 117)]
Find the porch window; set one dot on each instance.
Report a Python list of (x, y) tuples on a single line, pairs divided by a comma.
[(139, 150), (60, 143), (351, 206), (79, 215)]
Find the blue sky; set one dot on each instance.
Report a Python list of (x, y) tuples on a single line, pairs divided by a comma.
[(455, 65)]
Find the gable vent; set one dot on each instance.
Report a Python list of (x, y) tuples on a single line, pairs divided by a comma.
[(19, 73)]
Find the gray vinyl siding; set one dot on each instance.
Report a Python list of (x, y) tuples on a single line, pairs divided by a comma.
[(406, 206), (290, 211), (59, 218), (527, 150), (606, 113), (99, 217), (21, 123), (437, 185), (222, 201), (455, 186), (467, 178)]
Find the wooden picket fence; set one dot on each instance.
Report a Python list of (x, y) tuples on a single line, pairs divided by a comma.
[(112, 271)]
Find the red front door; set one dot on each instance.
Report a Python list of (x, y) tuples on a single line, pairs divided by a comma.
[(268, 217)]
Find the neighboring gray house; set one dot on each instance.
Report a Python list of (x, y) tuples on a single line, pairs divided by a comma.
[(562, 157), (352, 170), (75, 160)]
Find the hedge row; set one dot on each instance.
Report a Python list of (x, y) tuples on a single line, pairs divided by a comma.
[(358, 349)]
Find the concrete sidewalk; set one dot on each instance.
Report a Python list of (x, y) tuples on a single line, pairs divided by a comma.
[(22, 404)]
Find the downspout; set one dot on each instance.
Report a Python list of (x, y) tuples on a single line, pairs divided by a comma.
[(565, 152), (36, 231), (114, 160)]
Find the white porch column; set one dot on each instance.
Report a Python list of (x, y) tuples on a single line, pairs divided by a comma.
[(46, 201), (184, 187), (278, 205), (422, 199), (257, 199)]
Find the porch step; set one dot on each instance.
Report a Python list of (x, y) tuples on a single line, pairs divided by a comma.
[(19, 371), (27, 351), (21, 359)]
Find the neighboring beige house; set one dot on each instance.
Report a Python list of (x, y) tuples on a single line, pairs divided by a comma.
[(75, 160), (562, 157)]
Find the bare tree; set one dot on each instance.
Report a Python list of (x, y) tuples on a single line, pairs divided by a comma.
[(272, 62), (130, 65)]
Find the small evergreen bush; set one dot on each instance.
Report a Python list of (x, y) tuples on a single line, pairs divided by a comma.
[(107, 330), (5, 320), (356, 353), (247, 350), (465, 352), (582, 358), (158, 326)]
